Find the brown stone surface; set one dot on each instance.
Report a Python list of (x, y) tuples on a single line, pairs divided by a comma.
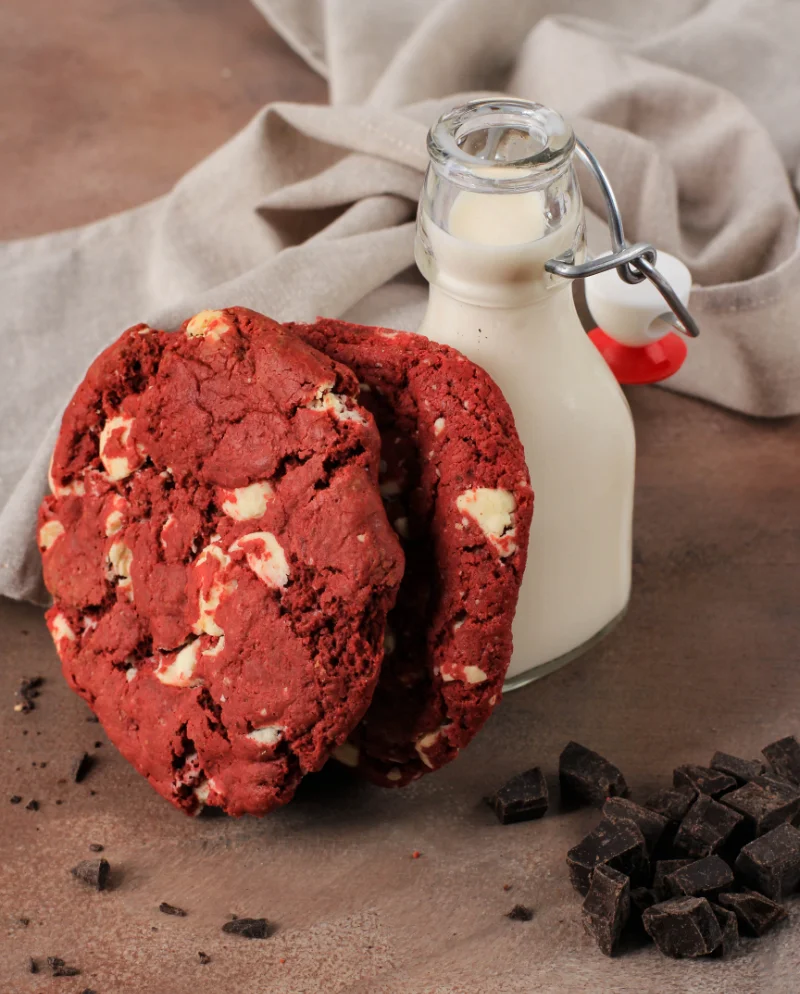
[(707, 657)]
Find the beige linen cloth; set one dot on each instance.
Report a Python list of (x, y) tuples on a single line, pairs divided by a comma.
[(693, 107)]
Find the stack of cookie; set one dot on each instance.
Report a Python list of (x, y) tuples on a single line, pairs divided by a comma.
[(272, 544)]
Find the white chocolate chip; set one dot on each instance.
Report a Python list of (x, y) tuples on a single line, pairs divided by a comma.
[(49, 533), (89, 624), (76, 488), (364, 388), (362, 537), (269, 735), (493, 512), (130, 673), (438, 426), (177, 669), (115, 518), (401, 527), (246, 503), (209, 599), (145, 331), (202, 792), (209, 324), (170, 522), (424, 742), (60, 629), (265, 557), (121, 558), (458, 624), (346, 754), (493, 700), (474, 674), (116, 434), (326, 400), (394, 774)]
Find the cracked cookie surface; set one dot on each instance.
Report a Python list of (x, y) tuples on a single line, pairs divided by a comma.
[(219, 556), (456, 488)]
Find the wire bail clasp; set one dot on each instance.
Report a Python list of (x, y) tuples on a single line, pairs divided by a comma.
[(633, 263)]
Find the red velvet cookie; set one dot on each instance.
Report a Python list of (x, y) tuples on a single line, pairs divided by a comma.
[(456, 487), (219, 556)]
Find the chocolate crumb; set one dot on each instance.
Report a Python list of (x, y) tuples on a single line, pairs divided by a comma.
[(59, 802), (170, 909), (204, 958), (33, 966), (32, 806), (24, 922), (93, 719), (506, 887), (95, 847), (27, 693), (15, 799), (93, 872), (98, 745), (80, 767), (520, 913), (58, 968), (249, 928)]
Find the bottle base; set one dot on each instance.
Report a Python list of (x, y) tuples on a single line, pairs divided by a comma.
[(543, 669)]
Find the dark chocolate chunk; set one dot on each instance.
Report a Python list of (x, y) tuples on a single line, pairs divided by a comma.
[(93, 872), (95, 847), (523, 798), (662, 870), (683, 927), (651, 824), (757, 914), (15, 799), (771, 864), (618, 844), (607, 908), (519, 913), (672, 803), (204, 957), (703, 779), (588, 778), (742, 770), (784, 758), (32, 806), (765, 803), (80, 767), (706, 828), (58, 968), (170, 909), (249, 928), (702, 878), (729, 927)]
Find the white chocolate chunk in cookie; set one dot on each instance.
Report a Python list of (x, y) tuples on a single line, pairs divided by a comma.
[(130, 673), (118, 457), (49, 533), (394, 774), (212, 561), (269, 735), (425, 742), (346, 754), (265, 557), (326, 400), (209, 324), (74, 489), (438, 426), (168, 525), (60, 629), (246, 503), (115, 516), (493, 512), (176, 669), (121, 558)]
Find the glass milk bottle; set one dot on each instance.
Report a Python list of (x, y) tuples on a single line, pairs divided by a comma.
[(501, 199)]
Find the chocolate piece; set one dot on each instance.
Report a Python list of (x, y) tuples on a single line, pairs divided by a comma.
[(28, 691), (703, 779), (523, 798), (706, 828), (519, 913), (588, 778), (672, 803), (80, 767), (756, 914), (784, 758), (618, 844), (742, 770), (607, 908), (662, 870), (683, 927), (651, 824), (730, 930), (33, 966), (95, 847), (771, 864), (93, 872), (15, 799), (249, 928), (32, 806), (702, 878), (170, 909), (765, 803), (58, 968), (204, 958)]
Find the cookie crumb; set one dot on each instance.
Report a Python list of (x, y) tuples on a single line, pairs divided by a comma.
[(28, 691), (204, 958), (15, 799), (95, 847), (507, 887), (80, 767), (32, 806), (520, 913), (58, 968), (416, 854), (170, 909), (33, 966), (249, 928)]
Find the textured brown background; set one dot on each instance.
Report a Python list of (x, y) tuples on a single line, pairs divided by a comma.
[(105, 103)]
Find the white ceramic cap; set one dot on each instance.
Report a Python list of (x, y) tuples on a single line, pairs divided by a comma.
[(630, 313)]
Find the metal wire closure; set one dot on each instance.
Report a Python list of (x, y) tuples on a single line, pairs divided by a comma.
[(633, 263)]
